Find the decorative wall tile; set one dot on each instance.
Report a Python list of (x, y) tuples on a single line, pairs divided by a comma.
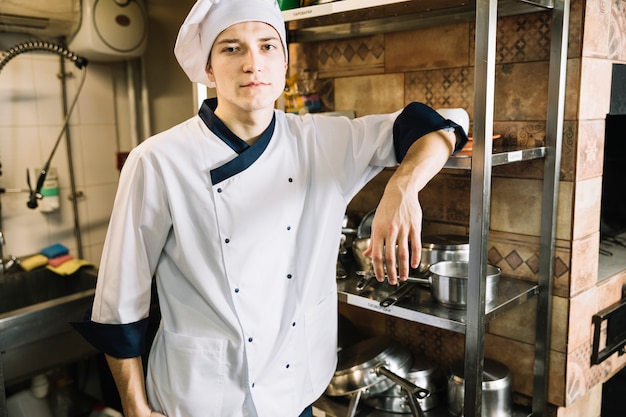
[(450, 87), (589, 405), (597, 28), (584, 268), (349, 57), (518, 256), (523, 38), (617, 40), (436, 47), (446, 199), (582, 377), (442, 346)]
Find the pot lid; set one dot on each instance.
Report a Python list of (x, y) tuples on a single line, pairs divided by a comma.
[(365, 227), (445, 241), (371, 352)]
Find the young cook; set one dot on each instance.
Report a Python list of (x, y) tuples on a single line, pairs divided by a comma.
[(237, 214)]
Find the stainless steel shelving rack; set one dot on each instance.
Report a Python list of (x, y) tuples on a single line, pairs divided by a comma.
[(472, 322)]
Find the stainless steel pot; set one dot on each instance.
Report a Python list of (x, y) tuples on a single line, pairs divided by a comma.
[(370, 367), (448, 282), (449, 279), (444, 247), (496, 389)]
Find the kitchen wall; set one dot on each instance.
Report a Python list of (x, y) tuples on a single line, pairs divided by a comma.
[(435, 65), (31, 117)]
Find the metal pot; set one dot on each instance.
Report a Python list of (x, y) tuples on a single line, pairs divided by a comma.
[(370, 367), (448, 283), (423, 373), (496, 389), (437, 248)]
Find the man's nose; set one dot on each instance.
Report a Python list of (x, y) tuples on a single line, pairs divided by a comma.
[(252, 62)]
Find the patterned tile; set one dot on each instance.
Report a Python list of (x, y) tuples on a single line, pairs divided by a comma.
[(357, 56), (451, 87), (617, 40)]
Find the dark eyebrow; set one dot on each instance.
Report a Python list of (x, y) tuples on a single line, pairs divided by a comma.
[(237, 40)]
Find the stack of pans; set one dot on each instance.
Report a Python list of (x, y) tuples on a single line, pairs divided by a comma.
[(371, 367), (423, 373)]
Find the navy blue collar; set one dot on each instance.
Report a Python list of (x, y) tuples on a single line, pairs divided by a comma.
[(246, 154)]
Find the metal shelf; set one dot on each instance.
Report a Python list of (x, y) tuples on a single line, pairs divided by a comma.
[(429, 13), (421, 307), (326, 9), (345, 18), (501, 156)]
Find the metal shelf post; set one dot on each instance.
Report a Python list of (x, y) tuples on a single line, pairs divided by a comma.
[(552, 166), (480, 197)]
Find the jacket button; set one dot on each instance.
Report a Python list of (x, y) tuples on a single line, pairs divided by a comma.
[(227, 240), (250, 339), (236, 290), (290, 179), (289, 276), (219, 190), (293, 324)]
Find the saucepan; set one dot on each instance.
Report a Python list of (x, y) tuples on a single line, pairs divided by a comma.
[(448, 282), (372, 366)]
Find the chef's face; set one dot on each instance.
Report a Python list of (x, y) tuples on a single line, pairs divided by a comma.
[(247, 64)]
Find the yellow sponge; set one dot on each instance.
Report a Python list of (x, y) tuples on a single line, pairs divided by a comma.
[(69, 267), (33, 262)]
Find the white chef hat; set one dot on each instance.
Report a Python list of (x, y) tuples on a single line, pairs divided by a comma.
[(208, 18)]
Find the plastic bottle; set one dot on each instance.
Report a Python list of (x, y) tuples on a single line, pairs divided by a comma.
[(50, 192)]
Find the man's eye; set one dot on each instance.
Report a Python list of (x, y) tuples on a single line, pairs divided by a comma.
[(269, 47), (230, 49)]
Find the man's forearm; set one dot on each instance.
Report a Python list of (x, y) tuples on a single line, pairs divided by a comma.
[(398, 220), (130, 382)]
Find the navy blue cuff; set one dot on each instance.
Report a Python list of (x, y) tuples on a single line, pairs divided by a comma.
[(117, 340), (417, 120)]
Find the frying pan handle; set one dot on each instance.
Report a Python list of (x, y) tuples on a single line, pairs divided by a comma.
[(365, 281), (413, 391), (397, 295)]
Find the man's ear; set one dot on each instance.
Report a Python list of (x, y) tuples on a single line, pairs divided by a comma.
[(209, 73)]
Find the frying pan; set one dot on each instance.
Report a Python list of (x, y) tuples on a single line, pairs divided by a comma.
[(372, 366)]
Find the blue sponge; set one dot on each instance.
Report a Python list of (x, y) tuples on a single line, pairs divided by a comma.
[(55, 250)]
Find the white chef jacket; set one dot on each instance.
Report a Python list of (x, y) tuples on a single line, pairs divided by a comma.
[(242, 241)]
